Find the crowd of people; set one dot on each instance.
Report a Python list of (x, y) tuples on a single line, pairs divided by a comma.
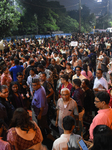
[(49, 79)]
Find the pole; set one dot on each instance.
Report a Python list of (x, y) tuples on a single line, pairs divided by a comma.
[(79, 16)]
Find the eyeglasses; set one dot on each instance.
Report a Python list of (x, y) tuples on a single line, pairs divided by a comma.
[(64, 94), (97, 101)]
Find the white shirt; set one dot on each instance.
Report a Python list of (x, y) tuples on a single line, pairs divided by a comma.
[(100, 82)]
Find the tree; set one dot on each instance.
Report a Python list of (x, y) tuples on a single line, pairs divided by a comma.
[(9, 17)]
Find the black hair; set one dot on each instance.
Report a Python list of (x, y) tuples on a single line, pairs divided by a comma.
[(68, 122), (36, 80), (86, 82), (21, 119), (19, 74), (31, 61), (11, 84), (78, 67), (43, 73), (41, 66), (68, 64), (77, 82), (102, 138), (85, 68), (111, 74), (16, 61), (27, 57), (100, 70), (65, 77), (33, 69), (4, 68), (2, 87), (103, 96)]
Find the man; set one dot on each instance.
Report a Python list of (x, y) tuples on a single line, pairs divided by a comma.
[(39, 104), (78, 96), (30, 79), (78, 74), (17, 68), (104, 64), (62, 142), (49, 74), (104, 116), (31, 65), (19, 81), (65, 106), (47, 86), (100, 84), (6, 109)]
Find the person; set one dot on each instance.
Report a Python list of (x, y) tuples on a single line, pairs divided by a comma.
[(62, 142), (47, 86), (65, 83), (6, 109), (78, 96), (30, 78), (69, 71), (65, 106), (19, 81), (87, 73), (78, 74), (4, 145), (23, 132), (6, 77), (102, 138), (14, 96), (17, 68), (104, 113), (104, 64), (39, 104), (100, 83)]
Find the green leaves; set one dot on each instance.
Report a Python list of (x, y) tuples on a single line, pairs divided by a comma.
[(9, 18)]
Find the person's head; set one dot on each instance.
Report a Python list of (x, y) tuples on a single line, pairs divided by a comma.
[(64, 78), (65, 94), (43, 76), (36, 84), (40, 68), (111, 76), (85, 68), (76, 83), (85, 53), (53, 61), (21, 119), (32, 72), (61, 73), (102, 138), (31, 62), (13, 87), (4, 91), (16, 61), (5, 70), (85, 83), (102, 100), (68, 66), (20, 77), (78, 70), (104, 53), (68, 123), (99, 73)]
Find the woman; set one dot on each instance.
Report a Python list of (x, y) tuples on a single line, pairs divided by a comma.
[(102, 138), (14, 95), (6, 77), (69, 71), (87, 73), (23, 133)]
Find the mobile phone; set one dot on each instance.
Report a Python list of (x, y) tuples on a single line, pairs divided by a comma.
[(82, 144)]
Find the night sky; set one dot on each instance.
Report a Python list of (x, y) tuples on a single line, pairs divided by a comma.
[(92, 4)]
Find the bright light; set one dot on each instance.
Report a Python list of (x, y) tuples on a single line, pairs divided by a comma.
[(99, 1)]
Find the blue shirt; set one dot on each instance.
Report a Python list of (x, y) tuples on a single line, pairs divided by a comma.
[(39, 101), (15, 70)]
